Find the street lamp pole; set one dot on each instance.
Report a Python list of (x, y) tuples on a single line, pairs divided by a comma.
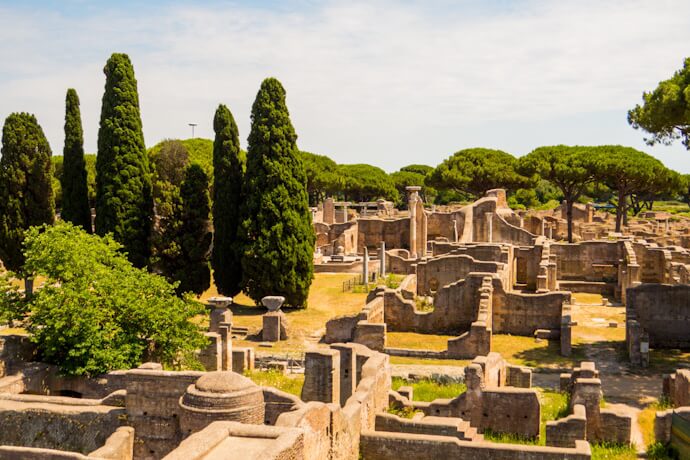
[(192, 125)]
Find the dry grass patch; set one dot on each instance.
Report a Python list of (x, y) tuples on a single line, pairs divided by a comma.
[(326, 300), (527, 351), (416, 341), (412, 361)]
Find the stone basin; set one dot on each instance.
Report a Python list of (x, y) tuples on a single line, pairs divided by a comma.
[(273, 302)]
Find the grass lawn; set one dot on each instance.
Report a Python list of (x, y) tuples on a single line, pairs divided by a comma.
[(305, 326), (291, 383), (429, 390)]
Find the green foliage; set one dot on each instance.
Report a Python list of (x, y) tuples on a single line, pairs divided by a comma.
[(89, 164), (323, 177), (659, 451), (97, 312), (364, 182), (429, 390), (610, 451), (665, 112), (12, 303), (412, 175), (26, 194), (474, 171), (193, 271), (200, 151), (272, 378), (403, 412), (625, 171), (124, 203), (570, 169), (169, 164), (228, 195), (278, 256), (75, 206)]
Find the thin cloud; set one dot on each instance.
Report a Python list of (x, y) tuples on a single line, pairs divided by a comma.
[(385, 83)]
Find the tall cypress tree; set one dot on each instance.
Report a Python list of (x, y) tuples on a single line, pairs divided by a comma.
[(278, 256), (228, 181), (193, 271), (75, 192), (26, 192), (124, 205)]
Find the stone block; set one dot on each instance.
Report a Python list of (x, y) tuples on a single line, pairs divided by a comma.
[(242, 359), (322, 376), (274, 326)]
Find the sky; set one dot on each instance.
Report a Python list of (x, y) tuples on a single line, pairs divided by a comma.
[(379, 82)]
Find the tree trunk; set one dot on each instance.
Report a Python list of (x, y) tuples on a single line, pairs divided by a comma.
[(569, 217)]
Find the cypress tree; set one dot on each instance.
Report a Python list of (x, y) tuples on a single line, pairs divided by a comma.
[(124, 205), (25, 185), (194, 273), (228, 180), (75, 192), (278, 255)]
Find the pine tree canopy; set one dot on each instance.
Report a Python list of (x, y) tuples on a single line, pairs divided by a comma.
[(26, 194), (228, 179), (75, 192), (124, 205), (278, 255)]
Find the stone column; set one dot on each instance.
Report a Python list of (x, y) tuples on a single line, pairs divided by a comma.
[(543, 227), (219, 313), (365, 266), (328, 211), (522, 222), (412, 196), (551, 231), (489, 226), (382, 259), (667, 225), (455, 231)]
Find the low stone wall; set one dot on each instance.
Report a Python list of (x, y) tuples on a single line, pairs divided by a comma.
[(438, 426), (398, 446), (67, 424), (565, 432), (435, 273), (677, 388)]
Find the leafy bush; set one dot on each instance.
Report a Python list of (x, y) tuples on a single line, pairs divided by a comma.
[(97, 312)]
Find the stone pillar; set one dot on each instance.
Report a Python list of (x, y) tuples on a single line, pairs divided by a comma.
[(543, 227), (274, 326), (522, 222), (365, 266), (345, 219), (587, 391), (225, 331), (455, 231), (219, 312), (411, 205), (667, 225), (489, 226), (551, 231), (242, 360), (210, 357), (329, 211), (322, 376), (382, 259), (348, 370)]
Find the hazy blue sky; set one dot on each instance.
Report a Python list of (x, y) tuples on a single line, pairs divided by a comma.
[(386, 83)]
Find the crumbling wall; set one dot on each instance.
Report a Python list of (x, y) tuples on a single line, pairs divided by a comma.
[(435, 273)]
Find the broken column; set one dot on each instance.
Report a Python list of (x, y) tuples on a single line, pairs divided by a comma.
[(455, 231), (412, 197), (365, 266), (274, 322), (382, 259)]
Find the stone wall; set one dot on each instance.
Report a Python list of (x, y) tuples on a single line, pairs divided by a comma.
[(435, 273), (677, 388), (154, 411), (588, 260), (663, 313), (69, 424), (398, 446)]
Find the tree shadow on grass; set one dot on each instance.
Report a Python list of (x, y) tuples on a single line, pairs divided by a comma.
[(550, 356)]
